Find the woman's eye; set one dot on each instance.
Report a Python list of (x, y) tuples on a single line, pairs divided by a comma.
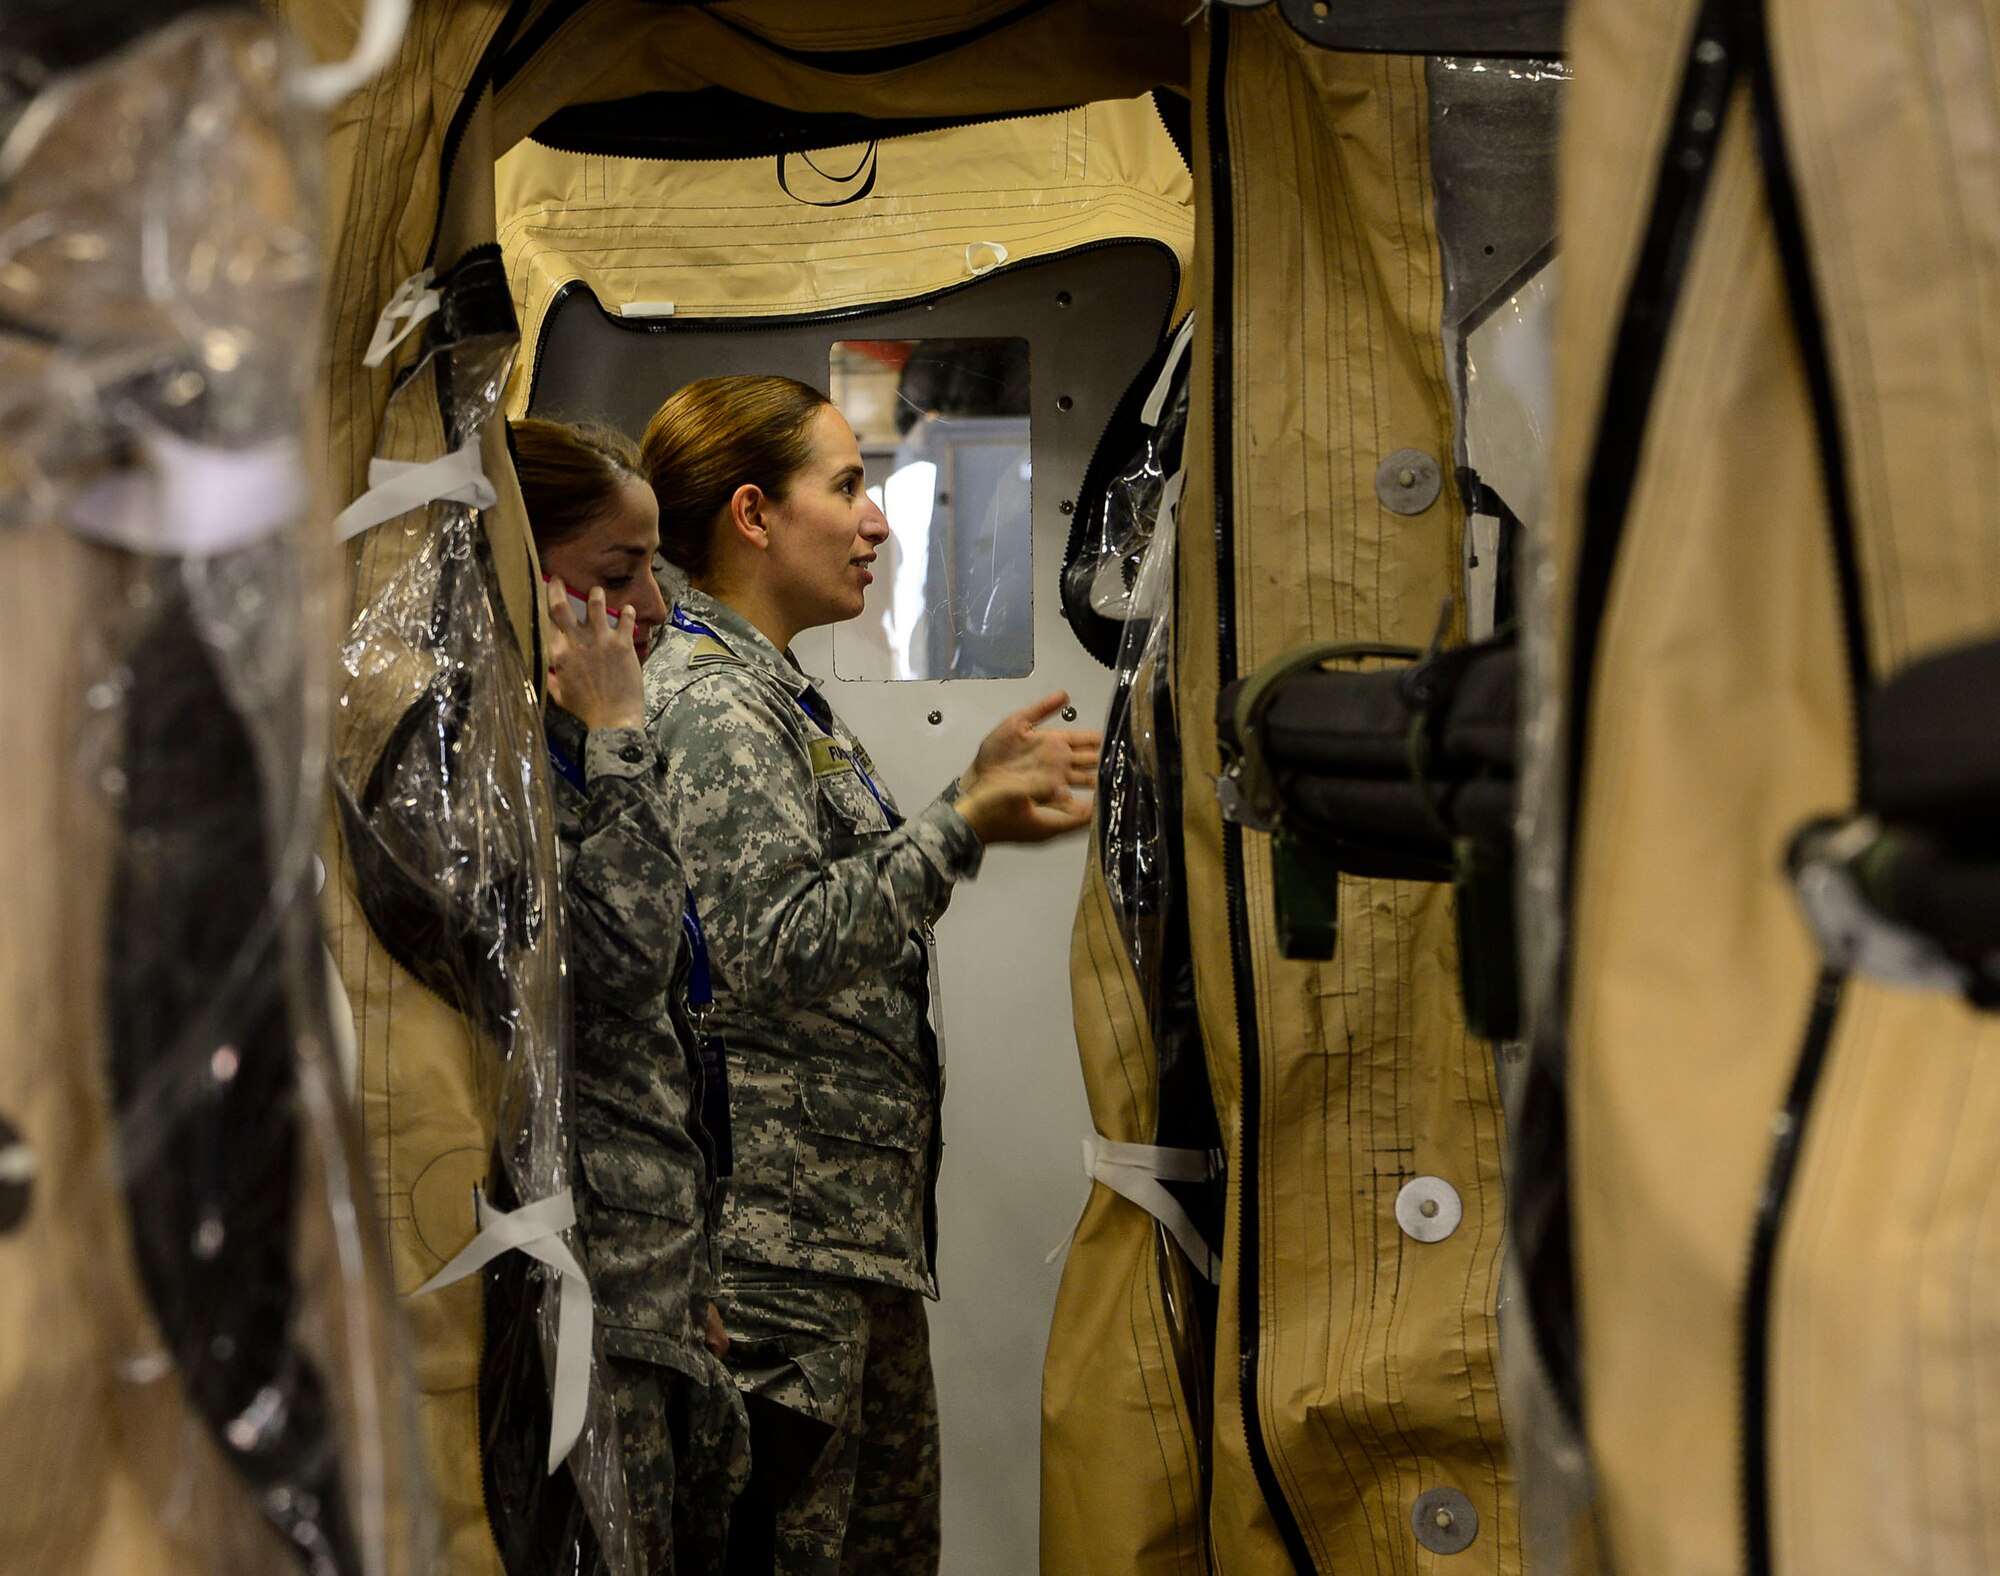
[(616, 581)]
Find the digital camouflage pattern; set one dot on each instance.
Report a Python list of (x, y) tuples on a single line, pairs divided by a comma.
[(814, 902), (646, 1195), (855, 1358), (686, 1447)]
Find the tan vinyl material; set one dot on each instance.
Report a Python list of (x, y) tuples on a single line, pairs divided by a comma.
[(1375, 1353), (720, 239), (1721, 719), (1122, 1446)]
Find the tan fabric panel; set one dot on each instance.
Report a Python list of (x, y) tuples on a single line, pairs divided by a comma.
[(721, 239), (1121, 1454), (1375, 1353), (428, 1086), (1720, 721), (1071, 52)]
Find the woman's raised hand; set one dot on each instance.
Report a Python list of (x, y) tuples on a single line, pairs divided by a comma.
[(1021, 742), (594, 670), (1021, 787)]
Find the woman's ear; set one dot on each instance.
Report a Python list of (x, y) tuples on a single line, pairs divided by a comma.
[(745, 516)]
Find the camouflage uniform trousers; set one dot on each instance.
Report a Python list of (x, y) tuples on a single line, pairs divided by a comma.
[(686, 1445), (844, 1425)]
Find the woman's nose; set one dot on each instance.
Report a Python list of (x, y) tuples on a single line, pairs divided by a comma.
[(874, 524)]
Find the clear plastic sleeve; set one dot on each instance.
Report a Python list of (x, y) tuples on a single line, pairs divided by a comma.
[(1139, 837), (199, 1354), (441, 781)]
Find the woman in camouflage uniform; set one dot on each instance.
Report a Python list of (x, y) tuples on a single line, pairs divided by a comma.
[(818, 896), (648, 1187)]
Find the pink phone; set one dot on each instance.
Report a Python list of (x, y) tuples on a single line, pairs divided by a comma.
[(580, 605)]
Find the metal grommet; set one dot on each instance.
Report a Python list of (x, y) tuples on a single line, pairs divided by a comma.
[(1068, 506), (1429, 1209), (935, 718), (1444, 1521), (1062, 298), (1408, 481), (17, 1176), (1064, 402), (1069, 714)]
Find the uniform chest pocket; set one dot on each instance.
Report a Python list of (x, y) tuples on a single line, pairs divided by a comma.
[(861, 1161)]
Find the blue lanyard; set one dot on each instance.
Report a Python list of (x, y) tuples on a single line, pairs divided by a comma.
[(683, 622)]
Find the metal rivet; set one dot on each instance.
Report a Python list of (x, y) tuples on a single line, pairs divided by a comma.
[(1065, 403), (1068, 506), (17, 1176), (1408, 481), (1321, 9), (1062, 298), (1069, 714), (935, 718), (1444, 1521), (1429, 1209)]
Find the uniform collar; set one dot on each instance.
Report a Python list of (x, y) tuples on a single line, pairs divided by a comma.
[(746, 640)]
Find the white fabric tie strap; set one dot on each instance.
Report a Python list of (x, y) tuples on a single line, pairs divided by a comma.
[(1135, 1172), (414, 300), (398, 486), (536, 1230)]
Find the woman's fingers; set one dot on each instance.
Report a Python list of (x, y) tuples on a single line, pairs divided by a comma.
[(559, 608), (1043, 709)]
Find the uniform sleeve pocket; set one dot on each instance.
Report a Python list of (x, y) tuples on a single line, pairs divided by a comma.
[(638, 1179)]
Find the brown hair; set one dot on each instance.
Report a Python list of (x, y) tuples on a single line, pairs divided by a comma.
[(571, 475), (714, 436)]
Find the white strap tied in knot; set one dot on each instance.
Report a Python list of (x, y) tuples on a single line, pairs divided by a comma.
[(1135, 1172), (398, 486), (415, 299), (536, 1229)]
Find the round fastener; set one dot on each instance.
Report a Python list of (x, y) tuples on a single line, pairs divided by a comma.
[(1064, 402), (1068, 506), (17, 1176), (1408, 481), (1062, 298), (632, 755), (1444, 1521), (935, 718), (1429, 1209), (1069, 714)]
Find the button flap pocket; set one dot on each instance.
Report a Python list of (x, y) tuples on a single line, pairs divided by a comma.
[(862, 1112)]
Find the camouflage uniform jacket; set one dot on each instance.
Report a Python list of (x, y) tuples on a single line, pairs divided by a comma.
[(646, 1203), (816, 906)]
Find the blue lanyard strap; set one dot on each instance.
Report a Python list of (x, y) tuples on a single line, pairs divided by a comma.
[(570, 772), (823, 723), (701, 980)]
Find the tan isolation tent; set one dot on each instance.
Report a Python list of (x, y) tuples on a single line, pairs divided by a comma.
[(1776, 426), (1366, 1357)]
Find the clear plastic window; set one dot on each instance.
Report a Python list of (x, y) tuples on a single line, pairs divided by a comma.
[(944, 433)]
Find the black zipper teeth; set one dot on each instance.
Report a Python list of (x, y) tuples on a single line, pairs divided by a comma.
[(475, 89), (1678, 193), (1242, 974), (609, 148), (1788, 1136), (1809, 326), (783, 320), (883, 57), (518, 54)]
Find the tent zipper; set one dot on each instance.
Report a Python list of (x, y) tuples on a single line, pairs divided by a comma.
[(482, 78), (1242, 972), (1789, 1128), (749, 324)]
